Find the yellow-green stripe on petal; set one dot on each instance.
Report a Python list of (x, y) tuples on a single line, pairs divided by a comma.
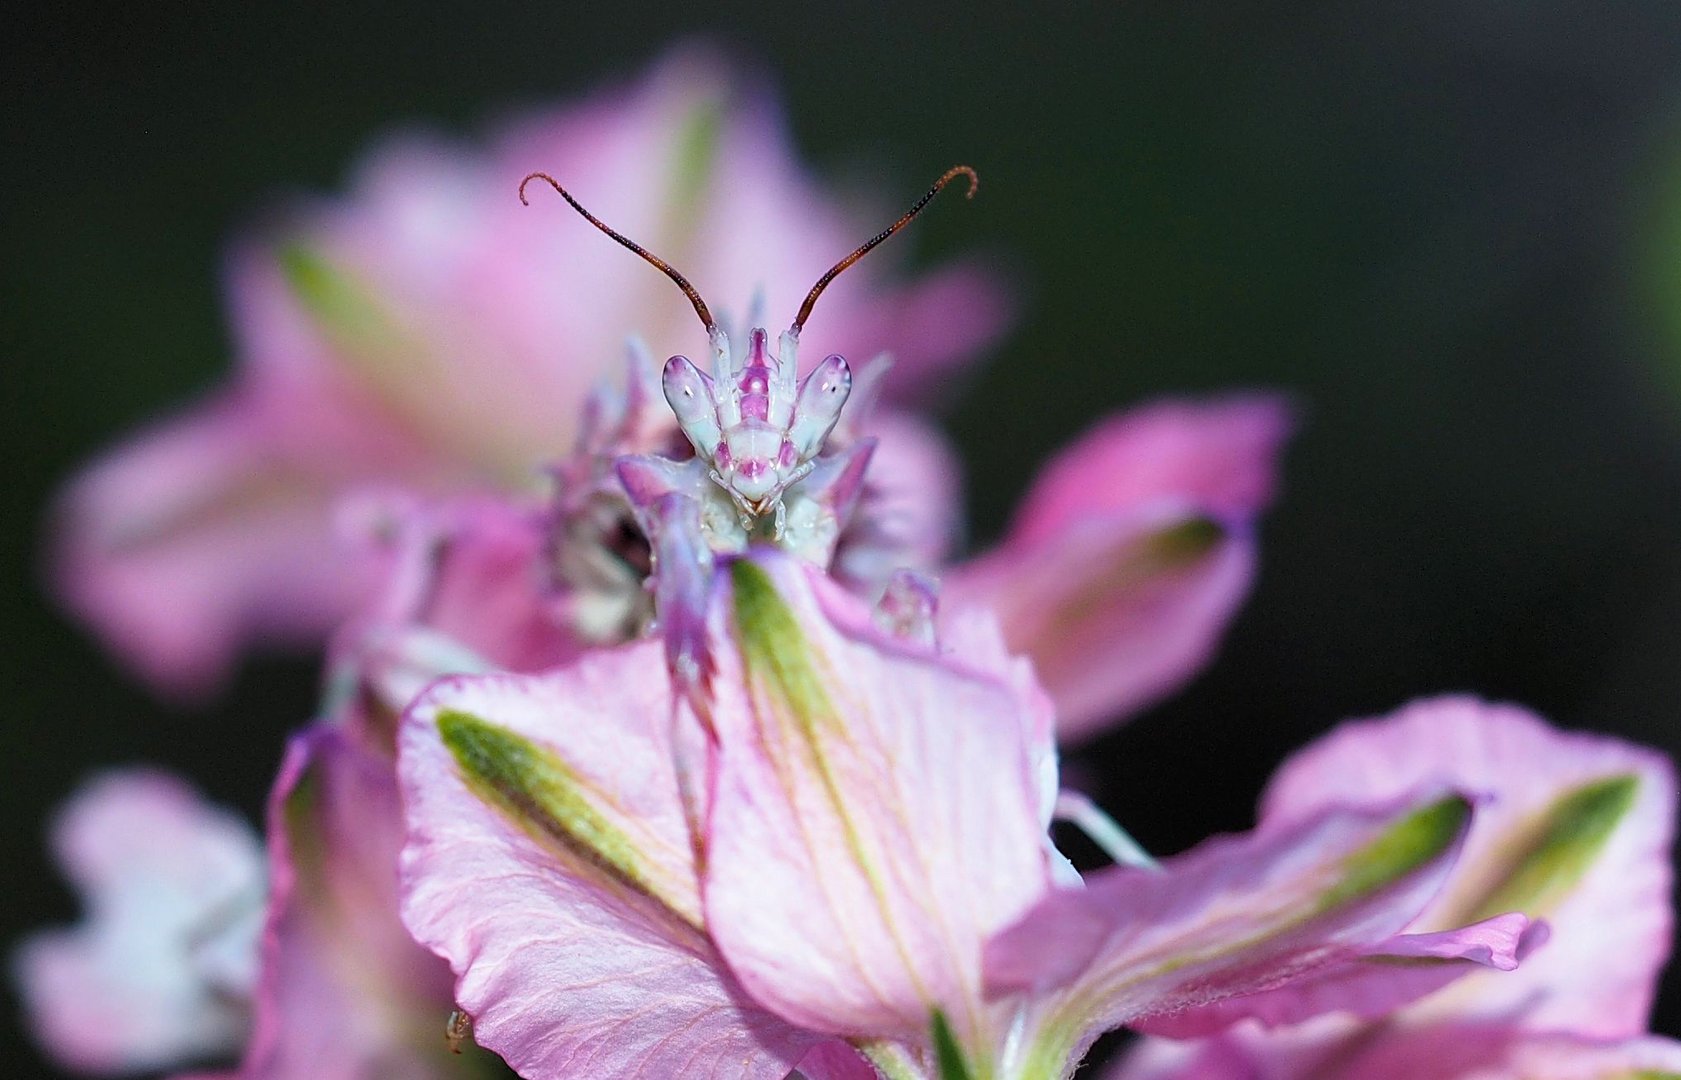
[(536, 790), (1404, 847), (1187, 541), (343, 306), (1551, 857), (773, 648)]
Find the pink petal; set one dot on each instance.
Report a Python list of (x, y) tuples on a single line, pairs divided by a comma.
[(1114, 613), (1220, 454), (462, 585), (910, 512), (559, 880), (346, 994), (1373, 982), (1132, 553), (1603, 884), (834, 1059), (1565, 1057), (932, 327), (874, 813), (1445, 1051), (426, 329), (162, 873), (211, 532), (1237, 917)]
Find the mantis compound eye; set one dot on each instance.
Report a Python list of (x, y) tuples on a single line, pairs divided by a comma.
[(689, 393), (818, 406)]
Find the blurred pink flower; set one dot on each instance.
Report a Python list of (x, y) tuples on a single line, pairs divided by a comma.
[(344, 992), (846, 837), (1131, 553), (430, 331), (162, 969), (337, 989), (1572, 828)]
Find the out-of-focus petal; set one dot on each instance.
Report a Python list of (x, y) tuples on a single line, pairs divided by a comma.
[(1115, 613), (835, 1059), (1220, 454), (214, 530), (165, 878), (549, 859), (345, 994), (1549, 1057), (1235, 917), (1132, 552), (909, 514), (428, 330), (1371, 981), (932, 327), (1334, 1050), (874, 814), (1576, 829), (462, 587)]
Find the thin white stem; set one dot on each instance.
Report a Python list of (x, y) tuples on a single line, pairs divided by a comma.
[(1103, 830)]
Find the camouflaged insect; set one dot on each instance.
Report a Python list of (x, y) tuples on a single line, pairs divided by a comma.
[(758, 431)]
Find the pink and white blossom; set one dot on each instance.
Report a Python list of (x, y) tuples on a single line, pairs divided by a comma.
[(1131, 552), (842, 835), (1573, 828), (429, 331), (162, 968)]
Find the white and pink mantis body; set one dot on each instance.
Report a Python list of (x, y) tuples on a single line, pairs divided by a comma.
[(758, 430), (759, 426)]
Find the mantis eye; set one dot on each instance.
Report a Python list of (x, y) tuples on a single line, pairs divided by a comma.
[(689, 393), (818, 406)]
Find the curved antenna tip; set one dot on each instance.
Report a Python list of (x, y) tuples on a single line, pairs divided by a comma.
[(916, 208), (958, 170), (553, 183), (654, 260)]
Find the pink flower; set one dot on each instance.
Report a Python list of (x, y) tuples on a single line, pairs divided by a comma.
[(337, 989), (1132, 552), (1575, 829), (344, 991), (845, 838), (161, 971), (430, 331)]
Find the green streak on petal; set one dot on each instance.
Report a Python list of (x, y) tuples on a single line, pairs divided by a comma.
[(1047, 1056), (1552, 857), (1649, 1074), (343, 306), (1404, 847), (691, 165), (773, 648), (947, 1054), (535, 789), (889, 1059), (776, 659), (1185, 542), (1401, 849), (305, 843), (696, 153), (1126, 570)]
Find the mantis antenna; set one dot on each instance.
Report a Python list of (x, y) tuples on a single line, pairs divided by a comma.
[(834, 271), (664, 267)]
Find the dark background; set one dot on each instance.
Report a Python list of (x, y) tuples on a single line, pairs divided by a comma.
[(1450, 230)]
